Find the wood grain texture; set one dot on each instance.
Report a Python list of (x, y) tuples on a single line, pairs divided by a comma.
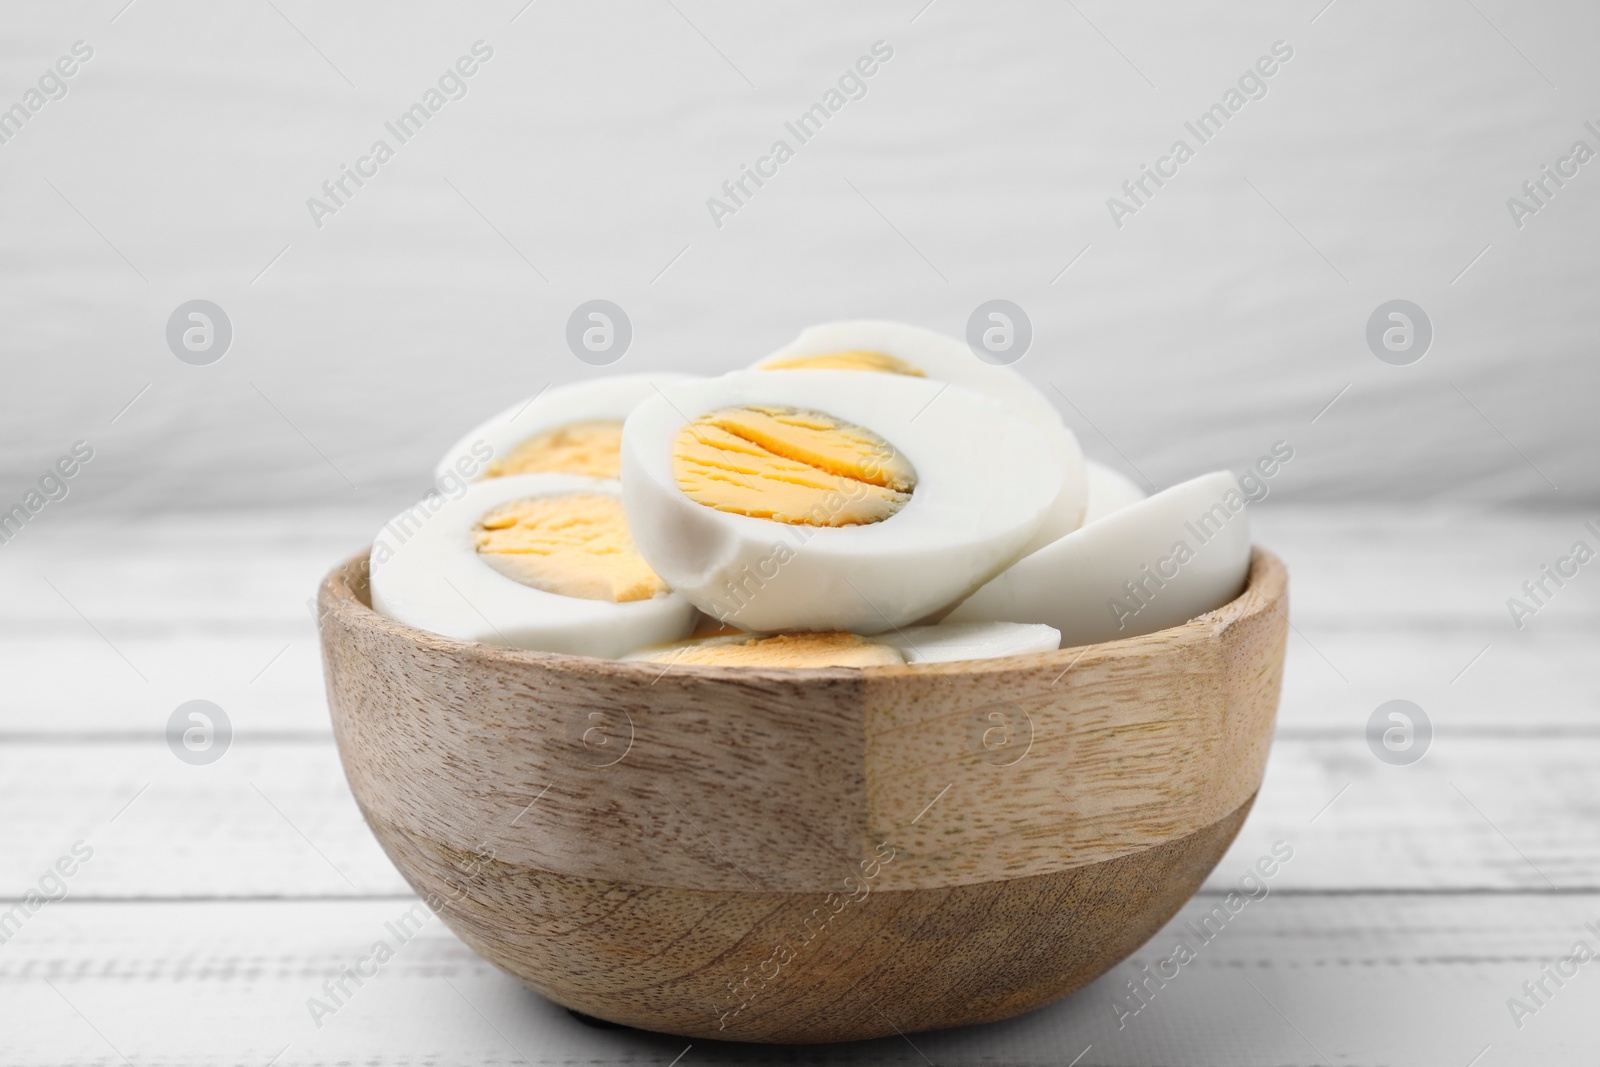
[(276, 819), (808, 966), (631, 772), (990, 769), (1387, 603), (738, 805), (178, 574), (1370, 980), (211, 911)]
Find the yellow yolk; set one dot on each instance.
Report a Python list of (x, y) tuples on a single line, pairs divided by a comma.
[(881, 362), (575, 546), (591, 448), (787, 650), (797, 467)]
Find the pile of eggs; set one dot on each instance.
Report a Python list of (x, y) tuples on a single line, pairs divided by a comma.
[(871, 494)]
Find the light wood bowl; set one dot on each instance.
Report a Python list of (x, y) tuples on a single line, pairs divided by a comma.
[(806, 855)]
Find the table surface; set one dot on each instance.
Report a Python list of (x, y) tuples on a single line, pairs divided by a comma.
[(216, 900)]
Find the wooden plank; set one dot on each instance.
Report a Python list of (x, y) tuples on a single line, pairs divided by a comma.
[(73, 682), (276, 819), (1451, 569), (1349, 566), (1283, 979), (270, 819), (79, 684), (181, 573), (1385, 604), (1144, 343)]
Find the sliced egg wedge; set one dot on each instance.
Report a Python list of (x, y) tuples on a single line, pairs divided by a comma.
[(1109, 491), (1156, 563), (829, 499), (538, 561), (896, 348), (951, 642), (566, 429), (777, 650), (946, 643)]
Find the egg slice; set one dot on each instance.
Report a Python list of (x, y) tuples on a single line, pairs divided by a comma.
[(951, 642), (566, 429), (539, 561), (778, 650), (896, 348), (829, 499), (1109, 491), (947, 643), (1156, 563)]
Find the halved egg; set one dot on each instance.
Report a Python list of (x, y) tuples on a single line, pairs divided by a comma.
[(829, 499), (566, 429), (1155, 563), (1109, 491), (915, 644), (777, 650), (540, 561), (896, 348)]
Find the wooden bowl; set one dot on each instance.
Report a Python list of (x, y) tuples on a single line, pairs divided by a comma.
[(805, 855)]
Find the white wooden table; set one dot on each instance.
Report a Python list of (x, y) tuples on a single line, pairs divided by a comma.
[(218, 899)]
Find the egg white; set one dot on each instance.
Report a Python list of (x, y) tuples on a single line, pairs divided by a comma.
[(557, 406), (947, 359), (953, 642), (1109, 491), (668, 653), (985, 480), (944, 643), (1076, 583), (430, 575)]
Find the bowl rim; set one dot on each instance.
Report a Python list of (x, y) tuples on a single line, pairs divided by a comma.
[(342, 590)]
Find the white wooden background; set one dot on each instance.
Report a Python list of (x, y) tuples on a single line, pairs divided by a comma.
[(219, 898), (1225, 316), (1220, 318)]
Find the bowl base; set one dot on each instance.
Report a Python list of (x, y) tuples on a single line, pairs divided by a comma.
[(807, 967)]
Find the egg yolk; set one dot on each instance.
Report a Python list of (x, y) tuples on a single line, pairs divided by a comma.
[(593, 448), (881, 362), (575, 546), (787, 650), (799, 467)]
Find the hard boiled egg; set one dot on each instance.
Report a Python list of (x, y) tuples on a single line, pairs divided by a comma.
[(829, 499), (1155, 563), (896, 348), (1108, 491), (540, 561), (566, 429), (946, 643), (952, 642), (778, 650)]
